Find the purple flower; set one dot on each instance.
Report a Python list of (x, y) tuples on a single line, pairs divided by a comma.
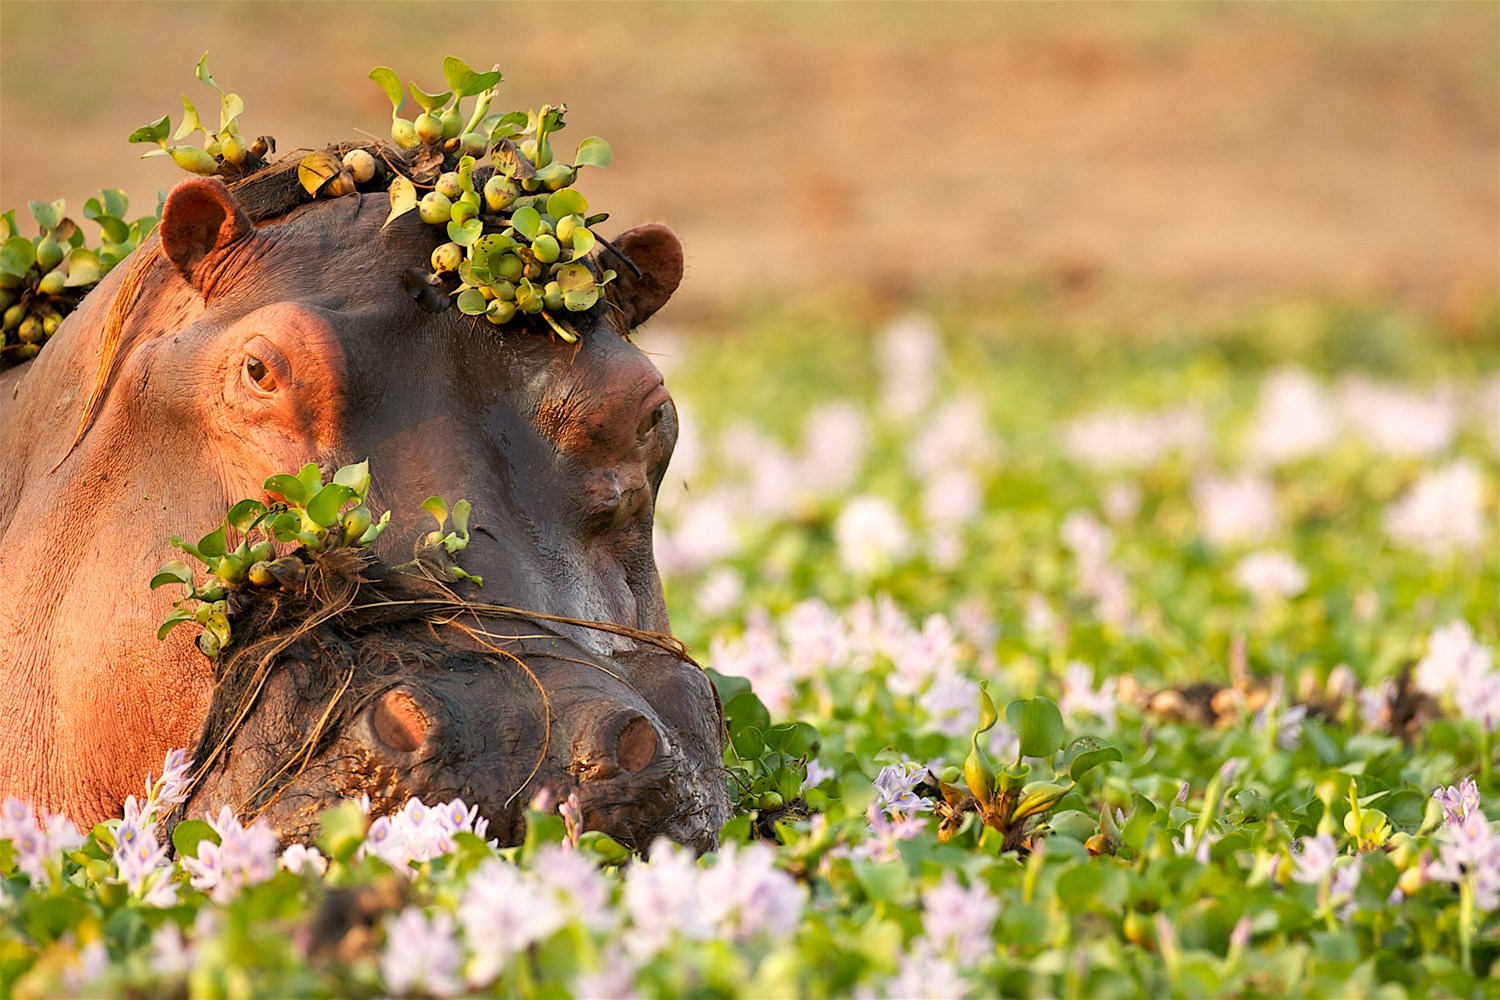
[(817, 773), (958, 921), (886, 831), (1312, 861), (571, 811), (1470, 852), (896, 786), (422, 954), (244, 856), (139, 857), (1458, 803)]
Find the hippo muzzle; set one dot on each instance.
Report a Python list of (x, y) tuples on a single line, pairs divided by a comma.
[(495, 710)]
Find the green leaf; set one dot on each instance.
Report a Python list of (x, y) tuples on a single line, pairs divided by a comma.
[(391, 84), (288, 487), (325, 506), (1039, 725), (115, 202), (1039, 798), (284, 526), (464, 234), (189, 834), (114, 229), (749, 743), (566, 202), (593, 152), (461, 518), (527, 221), (463, 81), (230, 108), (471, 302), (214, 544), (311, 477), (243, 514), (583, 242), (574, 277), (343, 830), (190, 120), (173, 572), (176, 618), (428, 102), (83, 269), (438, 508), (1090, 759), (403, 199), (988, 716), (17, 255), (746, 710), (356, 477), (7, 225), (46, 213), (154, 132), (203, 75)]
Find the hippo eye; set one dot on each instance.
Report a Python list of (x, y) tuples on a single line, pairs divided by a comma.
[(653, 419), (258, 373)]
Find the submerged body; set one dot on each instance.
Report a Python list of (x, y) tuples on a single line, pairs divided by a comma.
[(227, 350)]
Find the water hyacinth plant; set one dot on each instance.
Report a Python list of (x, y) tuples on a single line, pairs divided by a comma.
[(1291, 790)]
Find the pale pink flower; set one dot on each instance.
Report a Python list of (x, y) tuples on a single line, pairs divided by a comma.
[(834, 441), (421, 955), (871, 536), (1312, 861), (1270, 575), (503, 911), (744, 895), (958, 921), (1470, 851), (1080, 698), (1122, 439), (957, 435), (1443, 513), (910, 355), (1400, 421), (1294, 419), (1234, 510), (304, 860)]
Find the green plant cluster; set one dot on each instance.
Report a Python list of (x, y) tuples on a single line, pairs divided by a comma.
[(44, 277), (225, 150), (311, 513), (531, 259), (517, 243), (305, 512)]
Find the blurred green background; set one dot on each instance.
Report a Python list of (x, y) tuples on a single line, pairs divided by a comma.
[(1196, 155)]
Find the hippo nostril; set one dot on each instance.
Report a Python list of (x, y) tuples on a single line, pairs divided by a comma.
[(399, 721), (636, 745)]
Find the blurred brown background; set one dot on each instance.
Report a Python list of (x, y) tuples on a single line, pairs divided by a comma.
[(1208, 150)]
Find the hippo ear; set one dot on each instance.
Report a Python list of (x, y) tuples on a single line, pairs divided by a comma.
[(655, 251), (200, 221)]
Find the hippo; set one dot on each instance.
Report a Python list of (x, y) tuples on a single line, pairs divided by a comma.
[(256, 331)]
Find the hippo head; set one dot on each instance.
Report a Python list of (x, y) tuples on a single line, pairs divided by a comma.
[(367, 681), (255, 336)]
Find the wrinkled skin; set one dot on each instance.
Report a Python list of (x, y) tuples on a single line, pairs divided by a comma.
[(252, 349), (414, 706)]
